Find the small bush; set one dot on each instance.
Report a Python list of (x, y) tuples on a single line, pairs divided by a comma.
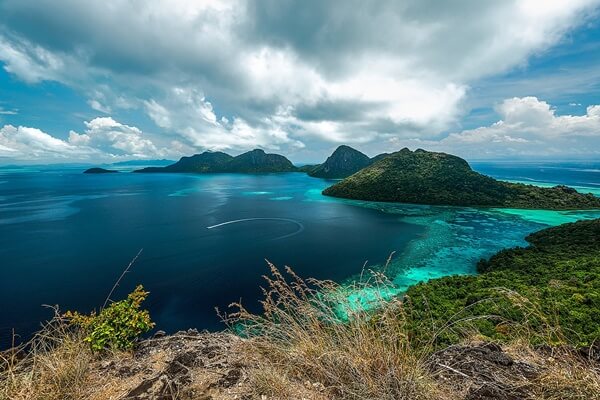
[(116, 326)]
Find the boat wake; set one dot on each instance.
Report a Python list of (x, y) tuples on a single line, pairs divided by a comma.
[(236, 221)]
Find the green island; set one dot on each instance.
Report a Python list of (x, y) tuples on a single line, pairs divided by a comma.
[(424, 177), (99, 171), (254, 161)]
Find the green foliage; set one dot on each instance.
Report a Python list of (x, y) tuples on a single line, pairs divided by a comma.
[(557, 279), (116, 326), (425, 177)]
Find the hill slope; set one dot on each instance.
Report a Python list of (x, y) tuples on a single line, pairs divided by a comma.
[(255, 161), (205, 162), (343, 162), (558, 274), (424, 177), (259, 161)]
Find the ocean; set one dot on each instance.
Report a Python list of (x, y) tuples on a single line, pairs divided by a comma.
[(65, 238)]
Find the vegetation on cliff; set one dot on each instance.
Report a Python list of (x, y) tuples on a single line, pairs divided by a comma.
[(552, 287), (257, 161), (117, 326), (343, 162), (424, 177)]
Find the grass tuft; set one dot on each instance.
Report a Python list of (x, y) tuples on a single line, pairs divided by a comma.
[(300, 335), (54, 365)]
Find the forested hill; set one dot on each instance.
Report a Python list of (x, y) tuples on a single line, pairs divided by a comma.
[(425, 177)]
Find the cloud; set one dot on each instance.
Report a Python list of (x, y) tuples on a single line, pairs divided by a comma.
[(234, 74), (4, 111), (116, 139), (104, 140), (187, 112), (26, 143), (527, 127)]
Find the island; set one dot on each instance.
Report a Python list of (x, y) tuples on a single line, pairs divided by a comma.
[(424, 177), (255, 161), (97, 170), (343, 162), (559, 272)]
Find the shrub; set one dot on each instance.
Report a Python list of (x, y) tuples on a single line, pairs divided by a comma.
[(116, 326)]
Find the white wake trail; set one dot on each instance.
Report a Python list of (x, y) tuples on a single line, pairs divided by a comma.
[(300, 226)]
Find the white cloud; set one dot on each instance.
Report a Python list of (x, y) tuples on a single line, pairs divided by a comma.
[(26, 143), (528, 127), (187, 112), (4, 111), (30, 62), (386, 70), (115, 139), (104, 139), (96, 105)]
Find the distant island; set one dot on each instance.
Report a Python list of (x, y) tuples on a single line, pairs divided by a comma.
[(419, 177), (344, 162), (99, 171), (424, 177), (255, 161)]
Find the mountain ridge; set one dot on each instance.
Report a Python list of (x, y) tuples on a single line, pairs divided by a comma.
[(254, 161)]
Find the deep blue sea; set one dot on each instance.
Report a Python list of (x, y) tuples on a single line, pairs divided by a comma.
[(65, 237)]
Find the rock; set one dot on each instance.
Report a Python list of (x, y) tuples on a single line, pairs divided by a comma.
[(232, 377), (485, 369), (490, 392), (186, 365), (159, 334)]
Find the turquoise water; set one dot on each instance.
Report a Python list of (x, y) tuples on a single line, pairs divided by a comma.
[(65, 237), (454, 241), (456, 238)]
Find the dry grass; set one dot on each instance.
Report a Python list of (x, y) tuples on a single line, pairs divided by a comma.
[(54, 365), (564, 373), (299, 341), (299, 336)]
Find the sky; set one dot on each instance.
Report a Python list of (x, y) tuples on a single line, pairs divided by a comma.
[(114, 80)]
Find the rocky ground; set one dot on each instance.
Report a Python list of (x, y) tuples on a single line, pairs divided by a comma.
[(484, 371), (202, 366), (186, 365)]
